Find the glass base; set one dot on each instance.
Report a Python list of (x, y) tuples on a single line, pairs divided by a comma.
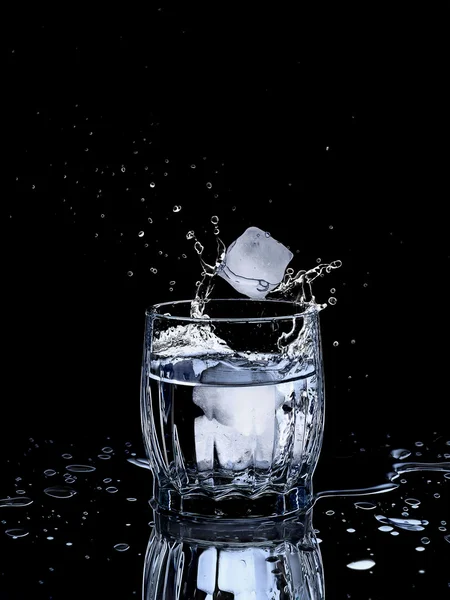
[(233, 505)]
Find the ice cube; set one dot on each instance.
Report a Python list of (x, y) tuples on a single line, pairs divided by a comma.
[(246, 573), (255, 263), (240, 424), (206, 573)]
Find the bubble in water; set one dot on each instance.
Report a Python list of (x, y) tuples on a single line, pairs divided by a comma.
[(121, 547), (198, 247), (190, 235), (183, 256), (172, 282), (176, 208), (192, 166), (141, 234), (153, 270), (150, 220), (102, 216), (318, 260), (332, 300), (425, 541), (352, 341), (361, 565), (60, 492), (330, 227), (16, 533), (419, 444), (214, 220), (209, 185), (80, 468), (216, 231), (335, 343), (130, 273), (152, 184), (333, 291)]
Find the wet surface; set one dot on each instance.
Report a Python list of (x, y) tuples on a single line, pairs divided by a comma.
[(75, 522)]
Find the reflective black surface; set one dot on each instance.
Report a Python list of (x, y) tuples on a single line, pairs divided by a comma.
[(329, 133)]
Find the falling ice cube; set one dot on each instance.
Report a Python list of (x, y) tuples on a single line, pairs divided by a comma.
[(255, 263)]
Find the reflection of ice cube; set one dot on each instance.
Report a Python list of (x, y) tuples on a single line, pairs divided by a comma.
[(255, 263), (245, 573), (239, 422), (206, 574)]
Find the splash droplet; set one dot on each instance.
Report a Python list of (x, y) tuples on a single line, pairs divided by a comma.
[(141, 234), (209, 185), (332, 300), (152, 184), (176, 208), (214, 219), (361, 565), (190, 235), (130, 273), (335, 343), (400, 453), (150, 220), (153, 270)]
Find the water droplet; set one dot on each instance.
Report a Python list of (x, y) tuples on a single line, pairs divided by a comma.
[(216, 231), (153, 270), (361, 565), (209, 185), (104, 456), (60, 492), (123, 169), (332, 300), (400, 453), (352, 341), (111, 489), (132, 499), (172, 282), (407, 524), (121, 547), (233, 208), (351, 530), (198, 247), (419, 444), (395, 533), (214, 220), (50, 537), (335, 343), (330, 227), (333, 291), (365, 505), (141, 234), (425, 541), (436, 495), (192, 166), (67, 456), (80, 468), (330, 512), (139, 462), (176, 208), (420, 548), (190, 235), (130, 273), (18, 502), (150, 220), (50, 472), (152, 184), (16, 533), (385, 528), (412, 502)]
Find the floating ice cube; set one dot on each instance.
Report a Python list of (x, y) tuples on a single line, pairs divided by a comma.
[(240, 424), (255, 263)]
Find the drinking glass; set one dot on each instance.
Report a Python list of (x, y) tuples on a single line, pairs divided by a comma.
[(232, 406), (274, 558)]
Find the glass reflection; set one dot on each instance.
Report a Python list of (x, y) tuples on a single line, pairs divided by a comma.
[(261, 559)]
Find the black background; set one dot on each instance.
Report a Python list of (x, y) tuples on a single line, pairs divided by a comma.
[(300, 122)]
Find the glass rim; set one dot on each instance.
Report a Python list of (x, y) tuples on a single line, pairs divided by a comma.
[(308, 307)]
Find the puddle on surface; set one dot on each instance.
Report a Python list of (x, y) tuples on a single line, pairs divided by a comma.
[(94, 511)]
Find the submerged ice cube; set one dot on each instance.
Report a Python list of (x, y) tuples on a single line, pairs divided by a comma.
[(255, 263), (239, 424)]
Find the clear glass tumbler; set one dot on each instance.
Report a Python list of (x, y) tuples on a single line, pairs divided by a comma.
[(232, 406), (275, 558)]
